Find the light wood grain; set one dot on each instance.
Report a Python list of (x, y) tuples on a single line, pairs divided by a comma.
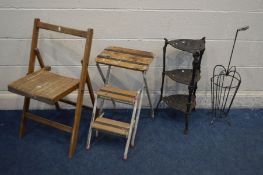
[(51, 123), (61, 29), (125, 58), (112, 89), (111, 126), (44, 86), (125, 65), (115, 123), (117, 94), (130, 51)]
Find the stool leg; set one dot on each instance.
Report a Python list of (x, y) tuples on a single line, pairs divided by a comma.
[(137, 119), (130, 131), (105, 79), (148, 94), (23, 119), (88, 82), (125, 156), (99, 114), (91, 122)]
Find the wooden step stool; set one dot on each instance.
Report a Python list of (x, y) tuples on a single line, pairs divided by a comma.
[(103, 124), (129, 59)]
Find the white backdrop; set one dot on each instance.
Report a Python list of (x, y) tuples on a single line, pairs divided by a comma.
[(138, 24)]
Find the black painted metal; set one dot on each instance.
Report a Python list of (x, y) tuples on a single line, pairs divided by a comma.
[(224, 86), (184, 103)]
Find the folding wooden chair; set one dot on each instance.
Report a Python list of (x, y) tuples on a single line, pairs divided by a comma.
[(48, 87)]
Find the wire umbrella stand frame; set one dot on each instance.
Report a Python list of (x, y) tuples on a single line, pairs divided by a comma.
[(224, 86)]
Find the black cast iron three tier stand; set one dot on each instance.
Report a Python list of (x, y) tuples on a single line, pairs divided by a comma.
[(183, 102)]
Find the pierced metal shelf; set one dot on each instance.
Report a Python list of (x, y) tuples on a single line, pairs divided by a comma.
[(188, 45), (183, 76), (179, 102)]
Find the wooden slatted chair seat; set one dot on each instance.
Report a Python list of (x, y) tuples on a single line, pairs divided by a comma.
[(44, 86)]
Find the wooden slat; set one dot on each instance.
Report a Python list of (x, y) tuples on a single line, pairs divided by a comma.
[(74, 103), (114, 123), (49, 122), (44, 86), (119, 91), (110, 129), (32, 59), (115, 96), (39, 58), (122, 64), (62, 29), (130, 51), (135, 59), (111, 126)]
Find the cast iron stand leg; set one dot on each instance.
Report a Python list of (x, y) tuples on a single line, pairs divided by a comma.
[(188, 105), (163, 73), (191, 88), (195, 88), (186, 116), (148, 94)]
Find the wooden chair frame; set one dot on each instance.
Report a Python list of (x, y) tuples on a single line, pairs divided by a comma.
[(84, 78)]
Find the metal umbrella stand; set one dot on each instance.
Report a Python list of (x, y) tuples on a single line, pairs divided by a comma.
[(224, 86)]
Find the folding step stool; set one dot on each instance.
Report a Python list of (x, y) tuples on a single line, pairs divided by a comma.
[(101, 123)]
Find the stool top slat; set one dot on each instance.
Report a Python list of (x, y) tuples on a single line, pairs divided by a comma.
[(125, 58)]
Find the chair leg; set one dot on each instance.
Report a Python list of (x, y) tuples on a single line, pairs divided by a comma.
[(57, 106), (75, 128), (73, 140), (23, 119)]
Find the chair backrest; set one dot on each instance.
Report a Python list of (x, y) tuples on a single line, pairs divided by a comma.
[(60, 29)]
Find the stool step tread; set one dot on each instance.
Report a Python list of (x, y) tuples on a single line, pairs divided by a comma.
[(117, 94), (112, 126)]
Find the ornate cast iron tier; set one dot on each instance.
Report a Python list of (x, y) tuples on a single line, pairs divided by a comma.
[(183, 76), (179, 102), (188, 45), (190, 77)]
